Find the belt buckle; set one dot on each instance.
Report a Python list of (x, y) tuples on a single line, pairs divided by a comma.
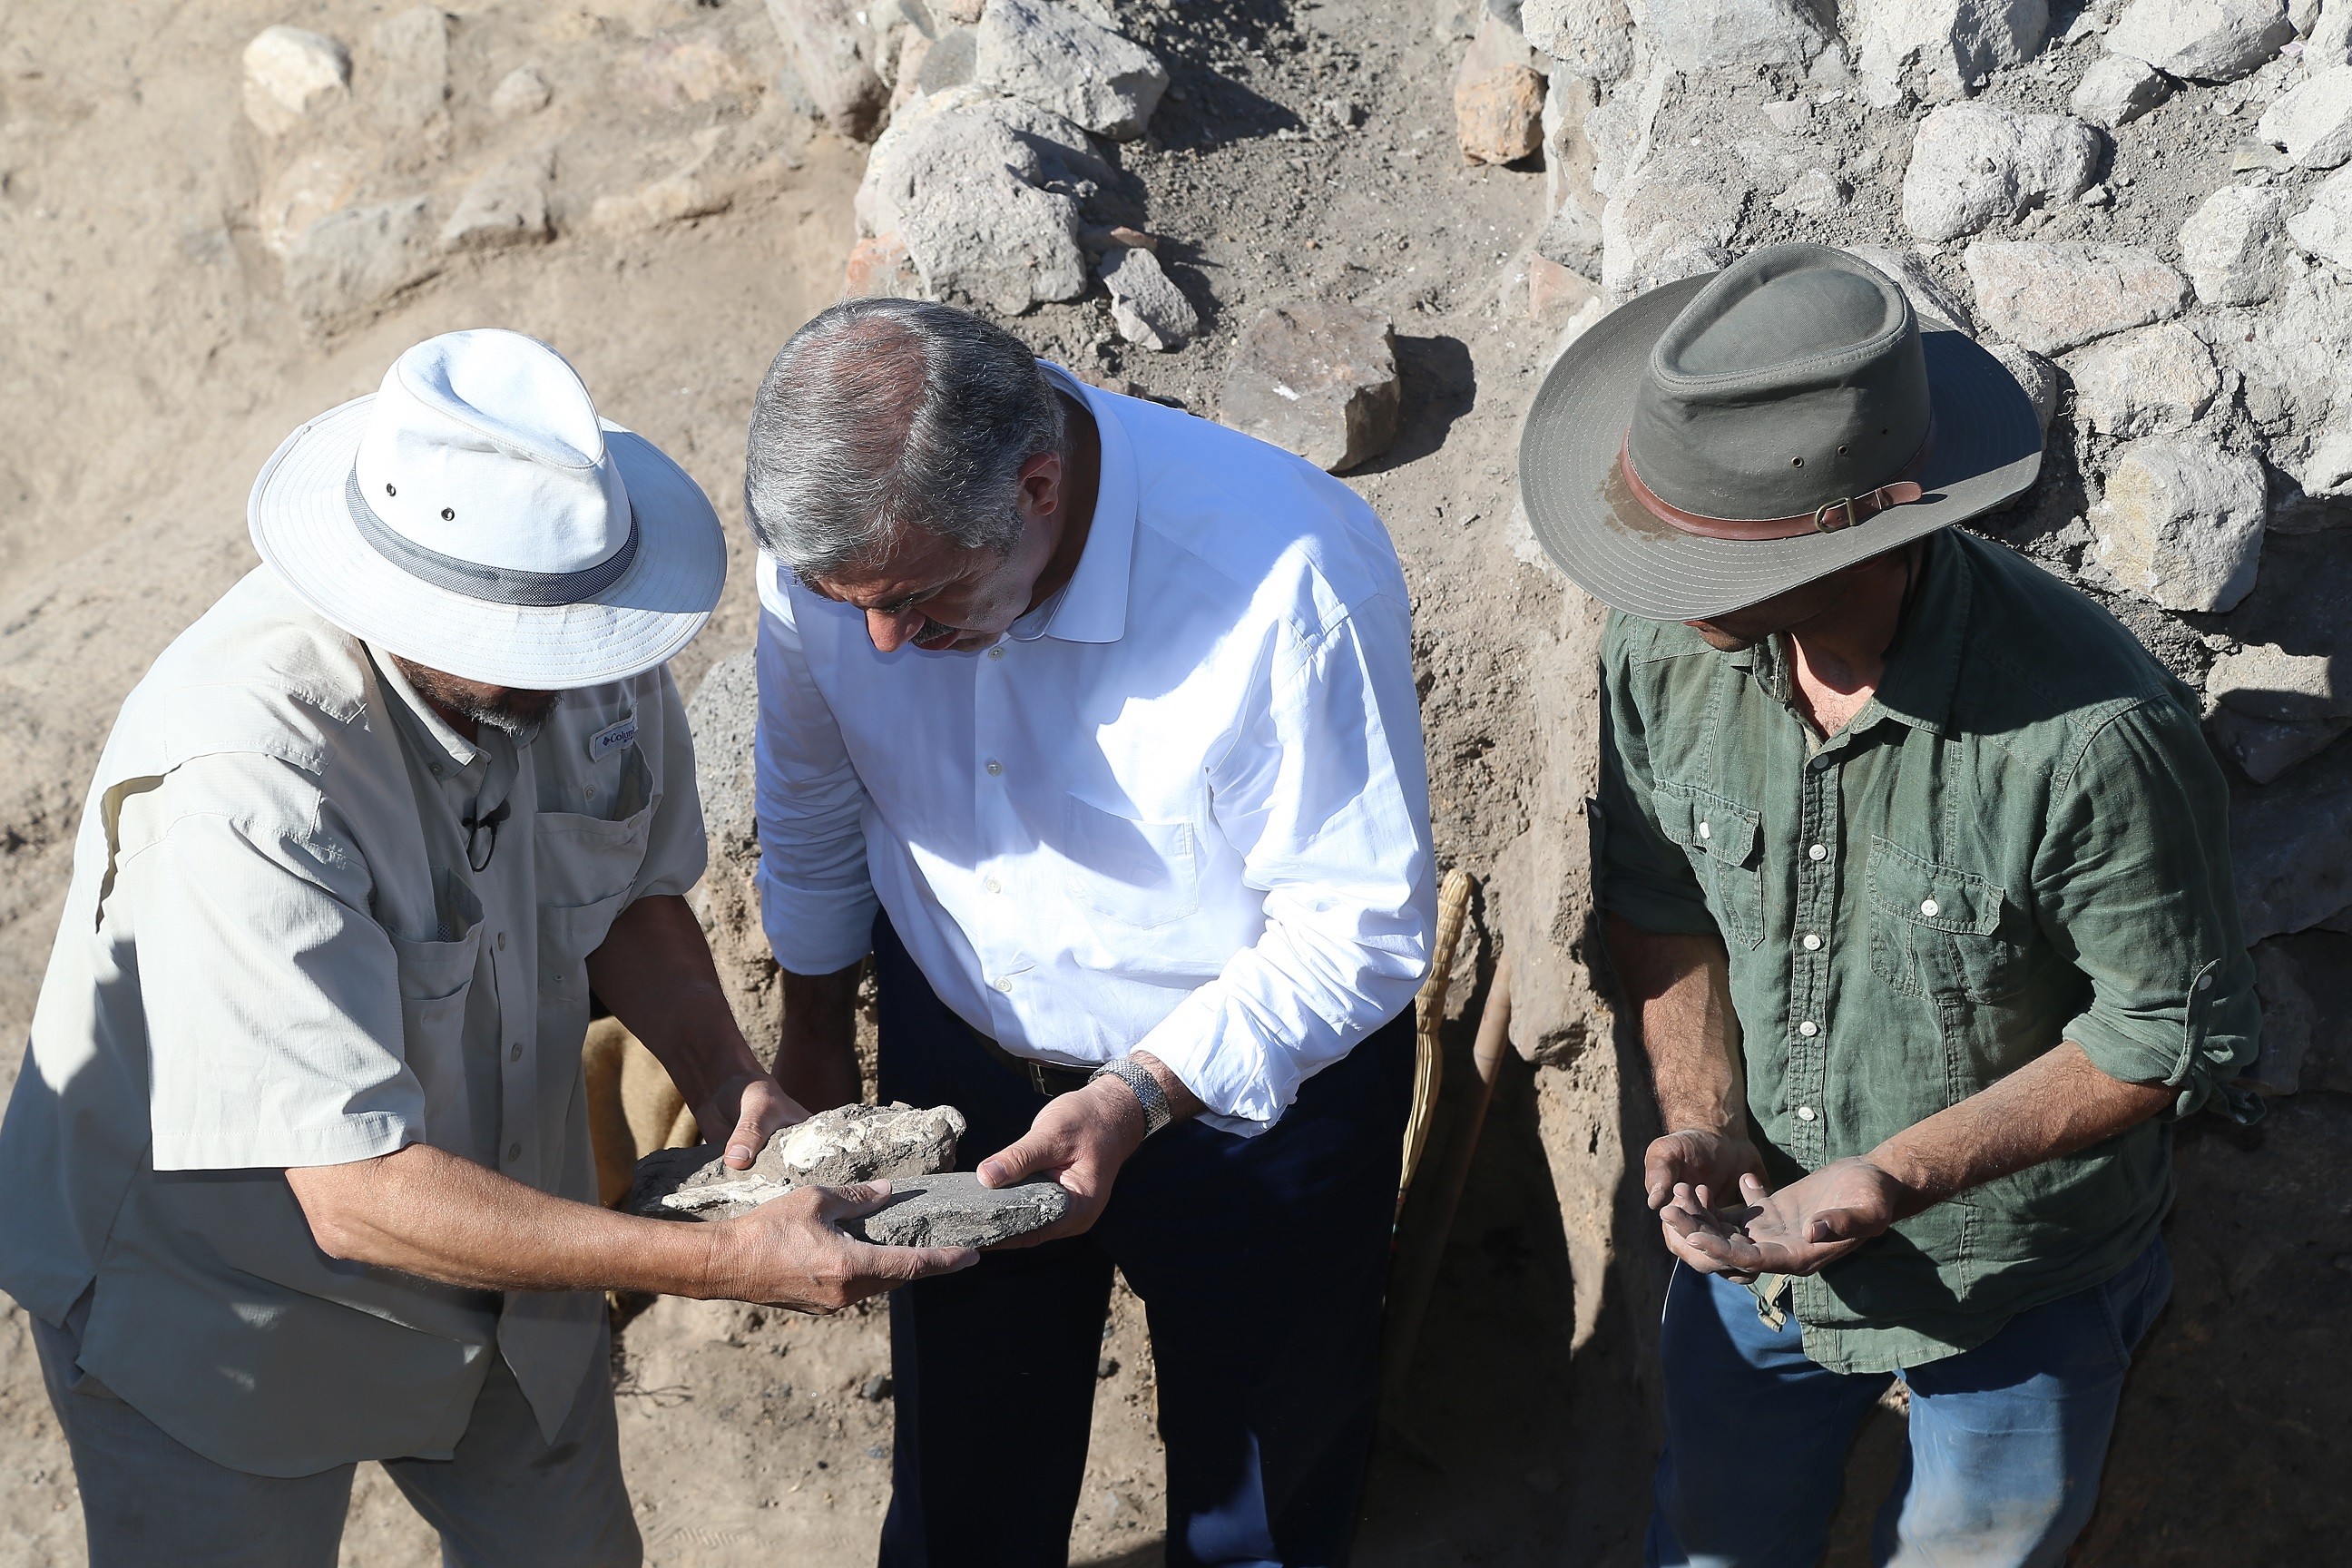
[(1037, 1078)]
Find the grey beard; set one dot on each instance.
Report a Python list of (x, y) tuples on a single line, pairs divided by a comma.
[(519, 714)]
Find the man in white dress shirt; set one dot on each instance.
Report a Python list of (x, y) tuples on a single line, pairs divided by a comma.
[(1097, 723)]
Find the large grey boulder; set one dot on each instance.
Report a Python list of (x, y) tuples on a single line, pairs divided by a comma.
[(359, 257), (1053, 57), (2291, 848), (2052, 298), (2202, 40), (952, 1209), (1955, 40), (292, 74), (969, 180), (1592, 39), (2181, 522), (2118, 89), (2324, 228), (2313, 119), (837, 1148), (2153, 380), (2233, 245), (1318, 378), (1707, 34), (1972, 165), (834, 52)]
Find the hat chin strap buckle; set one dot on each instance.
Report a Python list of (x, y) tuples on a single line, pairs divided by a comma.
[(1827, 517)]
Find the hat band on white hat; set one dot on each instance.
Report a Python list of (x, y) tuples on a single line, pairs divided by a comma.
[(498, 585)]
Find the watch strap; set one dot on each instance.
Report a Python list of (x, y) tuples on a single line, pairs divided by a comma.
[(1138, 1079)]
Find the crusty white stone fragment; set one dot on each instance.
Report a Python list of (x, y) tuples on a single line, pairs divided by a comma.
[(2232, 245), (2118, 90), (520, 91), (2152, 381), (1054, 56), (290, 74), (2052, 298), (2313, 119), (842, 1147), (1972, 163), (2181, 522), (2202, 40)]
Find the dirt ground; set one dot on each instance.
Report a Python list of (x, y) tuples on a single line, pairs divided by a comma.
[(150, 363)]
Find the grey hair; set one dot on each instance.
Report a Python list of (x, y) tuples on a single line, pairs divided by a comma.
[(885, 416)]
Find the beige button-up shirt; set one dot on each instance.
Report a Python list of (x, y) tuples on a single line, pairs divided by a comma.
[(284, 946)]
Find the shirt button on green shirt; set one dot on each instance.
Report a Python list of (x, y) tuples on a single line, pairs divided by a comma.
[(2021, 839)]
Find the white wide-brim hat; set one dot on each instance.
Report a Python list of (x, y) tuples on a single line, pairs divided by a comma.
[(477, 516)]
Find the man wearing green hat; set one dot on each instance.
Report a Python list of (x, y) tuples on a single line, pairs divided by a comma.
[(1917, 867)]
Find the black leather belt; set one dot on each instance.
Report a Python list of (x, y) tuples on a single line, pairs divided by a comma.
[(1043, 1077)]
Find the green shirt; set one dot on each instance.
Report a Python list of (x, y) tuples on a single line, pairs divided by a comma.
[(2021, 840)]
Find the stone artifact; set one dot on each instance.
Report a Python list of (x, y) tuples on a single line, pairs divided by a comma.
[(841, 1147), (954, 1210)]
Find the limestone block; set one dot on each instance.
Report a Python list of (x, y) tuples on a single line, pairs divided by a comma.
[(836, 1148), (520, 91), (1053, 57), (1146, 306), (1498, 97), (361, 257), (2313, 119), (954, 1210), (291, 75), (833, 50), (2202, 40), (1318, 378), (2052, 298), (2324, 228), (411, 75), (2152, 381), (1707, 34), (2232, 245), (1972, 165), (2181, 522), (2118, 90), (506, 206), (2291, 848), (1957, 40), (2263, 680), (1592, 39)]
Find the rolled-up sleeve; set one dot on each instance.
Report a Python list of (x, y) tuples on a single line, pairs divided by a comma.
[(1645, 880), (1325, 794), (2134, 884), (816, 898), (271, 993)]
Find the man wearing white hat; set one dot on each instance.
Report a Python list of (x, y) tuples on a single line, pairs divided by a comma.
[(298, 1160)]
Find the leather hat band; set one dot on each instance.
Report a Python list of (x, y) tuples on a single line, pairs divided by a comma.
[(1829, 517)]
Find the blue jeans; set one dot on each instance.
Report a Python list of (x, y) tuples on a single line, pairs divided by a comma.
[(2006, 1442), (1260, 1263)]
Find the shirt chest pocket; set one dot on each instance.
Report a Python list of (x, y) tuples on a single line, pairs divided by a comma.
[(1140, 874), (586, 865), (1939, 931), (1723, 841), (436, 977)]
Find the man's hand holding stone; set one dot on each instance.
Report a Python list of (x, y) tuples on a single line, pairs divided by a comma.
[(1800, 1229), (791, 1252), (1710, 1162), (744, 1113), (1081, 1139)]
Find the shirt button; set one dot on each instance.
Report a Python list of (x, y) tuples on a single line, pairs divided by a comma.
[(996, 653), (1817, 853), (502, 942), (1809, 1028), (994, 767), (2204, 983), (994, 886), (1706, 830), (1813, 942), (514, 1052), (1804, 1113), (1930, 908), (1004, 982), (514, 1153)]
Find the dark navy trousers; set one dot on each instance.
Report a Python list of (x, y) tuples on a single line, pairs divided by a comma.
[(1260, 1261)]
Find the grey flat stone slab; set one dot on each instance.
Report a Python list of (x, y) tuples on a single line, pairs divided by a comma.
[(954, 1210)]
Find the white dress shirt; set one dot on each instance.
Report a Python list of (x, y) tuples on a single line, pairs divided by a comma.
[(1181, 807), (278, 952)]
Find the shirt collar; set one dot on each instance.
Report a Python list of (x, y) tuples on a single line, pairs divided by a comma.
[(1923, 668), (1092, 606), (416, 715)]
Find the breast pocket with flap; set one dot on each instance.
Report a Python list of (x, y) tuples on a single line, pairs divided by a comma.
[(1940, 931), (1725, 842)]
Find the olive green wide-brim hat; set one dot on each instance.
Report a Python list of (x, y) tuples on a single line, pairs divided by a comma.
[(1725, 439)]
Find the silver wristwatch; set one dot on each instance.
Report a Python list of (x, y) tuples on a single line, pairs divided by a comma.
[(1148, 1093)]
